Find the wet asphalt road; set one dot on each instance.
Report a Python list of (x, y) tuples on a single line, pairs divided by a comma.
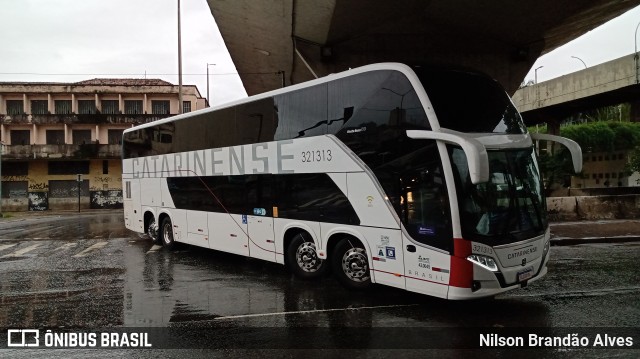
[(88, 271)]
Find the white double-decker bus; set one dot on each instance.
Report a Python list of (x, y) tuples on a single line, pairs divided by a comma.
[(420, 179)]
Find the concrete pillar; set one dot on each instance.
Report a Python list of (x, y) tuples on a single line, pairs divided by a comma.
[(49, 103), (2, 133), (3, 111), (120, 103), (66, 134), (97, 134), (98, 107), (144, 105), (553, 127), (34, 135), (634, 111), (74, 103), (25, 103)]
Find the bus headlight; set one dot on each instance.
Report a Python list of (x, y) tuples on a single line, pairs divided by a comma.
[(545, 250), (484, 262)]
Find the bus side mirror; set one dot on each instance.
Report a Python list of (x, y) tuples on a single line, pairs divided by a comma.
[(574, 148), (475, 151)]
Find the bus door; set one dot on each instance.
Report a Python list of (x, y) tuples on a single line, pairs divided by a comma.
[(261, 238), (427, 235)]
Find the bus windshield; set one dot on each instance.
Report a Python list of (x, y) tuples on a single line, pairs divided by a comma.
[(470, 102), (510, 207)]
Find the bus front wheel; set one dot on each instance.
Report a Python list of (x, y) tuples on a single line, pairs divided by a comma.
[(167, 234), (303, 258), (350, 264)]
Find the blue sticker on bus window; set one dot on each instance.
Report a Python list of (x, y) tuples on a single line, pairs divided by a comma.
[(391, 252), (426, 230), (244, 219), (259, 212)]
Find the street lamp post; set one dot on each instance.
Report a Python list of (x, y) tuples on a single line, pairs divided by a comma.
[(535, 72), (180, 110), (579, 59), (208, 98)]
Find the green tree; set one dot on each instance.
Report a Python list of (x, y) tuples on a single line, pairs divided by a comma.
[(602, 136)]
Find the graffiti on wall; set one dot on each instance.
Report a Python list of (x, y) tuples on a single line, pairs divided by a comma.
[(15, 178), (38, 201), (106, 199), (38, 186)]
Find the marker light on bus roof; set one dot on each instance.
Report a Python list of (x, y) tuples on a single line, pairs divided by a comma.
[(484, 262)]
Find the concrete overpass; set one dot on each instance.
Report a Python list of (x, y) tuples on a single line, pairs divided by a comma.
[(296, 40), (610, 83)]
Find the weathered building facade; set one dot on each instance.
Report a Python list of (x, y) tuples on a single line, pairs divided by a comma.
[(64, 139)]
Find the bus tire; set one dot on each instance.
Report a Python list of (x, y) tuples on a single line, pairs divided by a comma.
[(350, 264), (166, 233), (152, 231), (303, 258)]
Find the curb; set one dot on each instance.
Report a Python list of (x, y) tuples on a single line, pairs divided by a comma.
[(568, 241)]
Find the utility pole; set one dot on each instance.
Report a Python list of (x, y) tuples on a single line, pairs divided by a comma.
[(180, 109)]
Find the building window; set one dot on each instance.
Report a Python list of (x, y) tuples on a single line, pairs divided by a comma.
[(62, 107), (594, 176), (15, 107), (620, 175), (115, 137), (105, 167), (186, 106), (20, 137), (81, 137), (606, 158), (606, 175), (55, 137), (39, 107), (86, 107), (68, 168), (15, 169), (160, 107), (110, 107), (599, 158), (133, 107), (614, 175), (621, 156), (600, 175), (593, 158)]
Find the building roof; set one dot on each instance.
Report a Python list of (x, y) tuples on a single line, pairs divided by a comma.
[(124, 82)]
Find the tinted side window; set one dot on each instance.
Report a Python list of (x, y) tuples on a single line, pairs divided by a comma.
[(192, 193), (371, 112), (312, 197), (256, 122), (302, 113)]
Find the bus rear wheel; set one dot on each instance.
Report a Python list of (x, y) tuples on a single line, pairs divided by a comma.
[(167, 234), (350, 264), (303, 258), (152, 231)]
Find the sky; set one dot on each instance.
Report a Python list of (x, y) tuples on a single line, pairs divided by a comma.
[(75, 40)]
